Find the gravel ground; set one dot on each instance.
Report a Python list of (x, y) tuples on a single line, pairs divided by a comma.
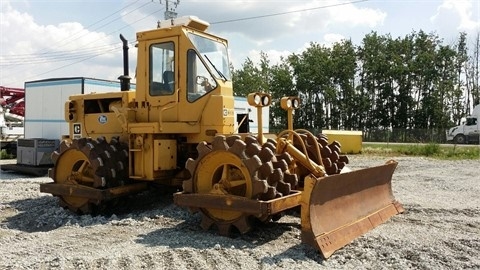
[(439, 230)]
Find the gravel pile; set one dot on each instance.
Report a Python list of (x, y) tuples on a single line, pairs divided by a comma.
[(439, 230)]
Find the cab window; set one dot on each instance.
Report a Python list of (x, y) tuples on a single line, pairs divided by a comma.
[(199, 80), (162, 72), (471, 121)]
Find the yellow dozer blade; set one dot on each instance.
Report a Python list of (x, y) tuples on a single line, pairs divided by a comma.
[(337, 209)]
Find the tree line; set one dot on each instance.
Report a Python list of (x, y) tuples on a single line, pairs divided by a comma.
[(402, 86)]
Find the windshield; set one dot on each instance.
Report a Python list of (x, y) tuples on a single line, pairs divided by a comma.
[(215, 55)]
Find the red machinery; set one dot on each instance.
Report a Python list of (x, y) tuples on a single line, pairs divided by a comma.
[(12, 112), (13, 100)]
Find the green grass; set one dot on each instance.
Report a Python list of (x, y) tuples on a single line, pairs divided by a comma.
[(428, 150), (4, 155)]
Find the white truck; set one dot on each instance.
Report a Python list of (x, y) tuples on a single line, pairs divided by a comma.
[(468, 131)]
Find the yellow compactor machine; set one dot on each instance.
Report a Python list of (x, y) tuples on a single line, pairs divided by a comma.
[(177, 129)]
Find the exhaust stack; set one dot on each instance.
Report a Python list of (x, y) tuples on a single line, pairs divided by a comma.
[(125, 78)]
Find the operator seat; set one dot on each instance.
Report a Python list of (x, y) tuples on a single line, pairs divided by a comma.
[(169, 80)]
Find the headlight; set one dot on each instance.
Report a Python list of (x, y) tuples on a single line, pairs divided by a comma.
[(70, 111), (259, 99), (289, 103)]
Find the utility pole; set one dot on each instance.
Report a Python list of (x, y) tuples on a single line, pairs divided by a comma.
[(169, 10)]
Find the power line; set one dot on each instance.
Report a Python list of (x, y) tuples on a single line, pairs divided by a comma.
[(83, 54), (69, 40), (101, 26), (60, 56), (67, 65), (92, 56), (288, 12), (86, 54), (114, 13)]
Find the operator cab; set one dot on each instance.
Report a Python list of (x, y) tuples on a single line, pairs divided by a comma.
[(179, 66), (206, 62)]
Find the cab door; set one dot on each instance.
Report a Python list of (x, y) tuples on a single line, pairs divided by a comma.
[(472, 129), (163, 80)]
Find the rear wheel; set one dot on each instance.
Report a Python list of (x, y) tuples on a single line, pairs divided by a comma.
[(90, 163)]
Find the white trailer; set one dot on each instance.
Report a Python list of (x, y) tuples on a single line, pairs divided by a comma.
[(45, 103)]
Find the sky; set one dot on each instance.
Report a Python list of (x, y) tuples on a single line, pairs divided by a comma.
[(42, 39)]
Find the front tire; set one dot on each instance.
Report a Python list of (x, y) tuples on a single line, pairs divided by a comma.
[(237, 167), (460, 139)]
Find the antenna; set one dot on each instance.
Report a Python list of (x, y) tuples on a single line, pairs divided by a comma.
[(169, 10)]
